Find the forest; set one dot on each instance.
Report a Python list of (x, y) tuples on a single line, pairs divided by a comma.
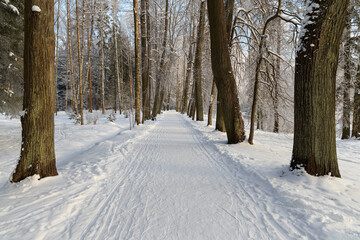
[(233, 81)]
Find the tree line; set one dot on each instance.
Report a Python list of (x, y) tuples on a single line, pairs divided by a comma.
[(264, 57)]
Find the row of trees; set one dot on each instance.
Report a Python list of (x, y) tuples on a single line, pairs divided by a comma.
[(250, 47)]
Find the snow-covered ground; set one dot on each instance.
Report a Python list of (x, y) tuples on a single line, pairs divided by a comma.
[(174, 179)]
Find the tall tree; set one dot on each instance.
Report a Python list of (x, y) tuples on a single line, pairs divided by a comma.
[(37, 148), (315, 74), (69, 41), (189, 58), (144, 60), (80, 58), (116, 56), (90, 36), (197, 64), (102, 56), (137, 61), (257, 71), (148, 74), (223, 73), (158, 101)]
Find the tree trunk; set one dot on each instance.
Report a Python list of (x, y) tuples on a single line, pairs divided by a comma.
[(160, 75), (315, 77), (144, 60), (74, 99), (188, 72), (356, 113), (148, 74), (162, 97), (57, 56), (347, 81), (116, 59), (37, 148), (90, 34), (277, 78), (80, 61), (197, 64), (211, 106), (137, 62), (220, 124), (168, 100), (223, 73), (257, 72), (102, 57), (229, 11)]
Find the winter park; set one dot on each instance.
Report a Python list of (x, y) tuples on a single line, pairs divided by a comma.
[(179, 119)]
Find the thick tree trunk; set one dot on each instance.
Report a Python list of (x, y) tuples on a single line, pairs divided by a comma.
[(211, 106), (220, 124), (197, 64), (229, 11), (137, 62), (347, 81), (160, 75), (37, 148), (315, 77), (356, 113), (223, 73)]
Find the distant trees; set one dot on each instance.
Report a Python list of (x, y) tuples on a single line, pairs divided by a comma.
[(37, 148), (315, 75)]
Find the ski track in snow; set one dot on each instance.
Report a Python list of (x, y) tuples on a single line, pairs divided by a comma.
[(164, 180)]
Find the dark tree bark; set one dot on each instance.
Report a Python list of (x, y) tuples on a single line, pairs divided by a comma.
[(315, 76), (223, 73), (37, 148), (211, 106), (229, 10), (197, 64)]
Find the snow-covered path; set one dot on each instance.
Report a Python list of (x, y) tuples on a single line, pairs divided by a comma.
[(168, 180), (174, 188)]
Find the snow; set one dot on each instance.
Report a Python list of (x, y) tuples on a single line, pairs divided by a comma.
[(12, 7), (35, 8), (311, 13), (174, 179)]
